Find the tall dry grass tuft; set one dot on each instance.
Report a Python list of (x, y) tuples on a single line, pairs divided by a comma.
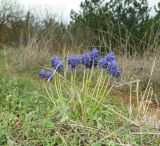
[(138, 66), (29, 56), (143, 103)]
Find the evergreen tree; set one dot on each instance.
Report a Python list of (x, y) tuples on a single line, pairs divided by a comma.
[(113, 20)]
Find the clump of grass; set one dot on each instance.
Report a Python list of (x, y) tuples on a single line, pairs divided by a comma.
[(28, 56), (144, 100), (137, 66)]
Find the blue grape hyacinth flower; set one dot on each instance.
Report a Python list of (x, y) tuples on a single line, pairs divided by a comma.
[(109, 63), (110, 56), (49, 75), (94, 54), (86, 60), (103, 63), (73, 61), (42, 73), (57, 63), (94, 57), (113, 70)]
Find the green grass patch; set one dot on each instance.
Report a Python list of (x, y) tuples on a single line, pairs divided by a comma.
[(75, 108), (52, 114)]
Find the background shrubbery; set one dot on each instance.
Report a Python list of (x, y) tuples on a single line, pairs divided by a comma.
[(122, 25)]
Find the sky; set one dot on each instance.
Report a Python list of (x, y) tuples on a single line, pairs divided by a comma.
[(62, 8)]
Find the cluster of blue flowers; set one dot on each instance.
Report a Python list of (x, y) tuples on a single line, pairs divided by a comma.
[(44, 74), (89, 60), (109, 63), (94, 57), (56, 63), (74, 61)]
